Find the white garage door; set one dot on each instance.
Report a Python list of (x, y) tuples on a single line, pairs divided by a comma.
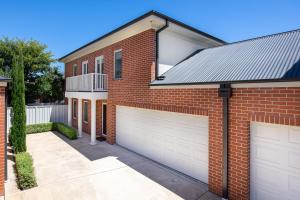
[(179, 141), (275, 162)]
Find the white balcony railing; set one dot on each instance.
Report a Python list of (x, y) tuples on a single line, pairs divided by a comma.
[(92, 82)]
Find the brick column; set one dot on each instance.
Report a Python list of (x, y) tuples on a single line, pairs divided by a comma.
[(111, 123), (2, 140)]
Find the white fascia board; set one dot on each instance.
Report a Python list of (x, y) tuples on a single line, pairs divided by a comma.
[(237, 85), (86, 95), (266, 85), (184, 86), (3, 84)]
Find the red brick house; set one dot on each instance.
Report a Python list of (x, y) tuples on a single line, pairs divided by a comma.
[(225, 114), (3, 83)]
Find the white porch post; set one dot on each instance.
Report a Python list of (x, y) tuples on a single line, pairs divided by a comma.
[(79, 117), (93, 122), (70, 111)]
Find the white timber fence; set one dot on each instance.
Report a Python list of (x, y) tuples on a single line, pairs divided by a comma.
[(42, 114)]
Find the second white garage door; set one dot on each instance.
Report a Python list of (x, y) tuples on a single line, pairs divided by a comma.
[(275, 162), (179, 141)]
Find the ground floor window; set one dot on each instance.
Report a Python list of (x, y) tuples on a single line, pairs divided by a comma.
[(85, 111), (74, 108)]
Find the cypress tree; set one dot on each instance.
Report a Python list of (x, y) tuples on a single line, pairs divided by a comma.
[(18, 134)]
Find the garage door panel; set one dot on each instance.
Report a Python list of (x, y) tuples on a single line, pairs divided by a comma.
[(294, 159), (275, 161), (294, 135), (179, 141), (266, 152)]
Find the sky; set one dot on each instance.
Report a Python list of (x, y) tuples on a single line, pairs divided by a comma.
[(64, 25)]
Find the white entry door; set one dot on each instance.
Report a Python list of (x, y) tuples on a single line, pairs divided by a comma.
[(274, 162), (179, 141)]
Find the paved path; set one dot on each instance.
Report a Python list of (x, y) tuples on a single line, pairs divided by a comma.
[(76, 170)]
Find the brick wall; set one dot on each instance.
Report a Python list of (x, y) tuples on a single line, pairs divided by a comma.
[(2, 140), (86, 126), (270, 105)]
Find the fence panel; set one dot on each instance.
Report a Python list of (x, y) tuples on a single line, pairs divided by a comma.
[(42, 114)]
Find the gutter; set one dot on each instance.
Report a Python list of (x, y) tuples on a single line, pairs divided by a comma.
[(157, 46), (225, 91)]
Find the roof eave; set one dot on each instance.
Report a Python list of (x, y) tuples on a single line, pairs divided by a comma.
[(227, 82), (152, 12)]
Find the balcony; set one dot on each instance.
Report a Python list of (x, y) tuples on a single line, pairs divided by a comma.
[(93, 82)]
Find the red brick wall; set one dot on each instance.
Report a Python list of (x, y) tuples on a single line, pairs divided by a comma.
[(86, 126), (2, 140), (268, 105)]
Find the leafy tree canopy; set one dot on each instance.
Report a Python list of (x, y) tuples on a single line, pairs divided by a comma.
[(42, 81)]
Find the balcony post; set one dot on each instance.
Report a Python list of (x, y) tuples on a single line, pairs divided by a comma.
[(93, 122), (92, 82), (70, 111), (79, 117)]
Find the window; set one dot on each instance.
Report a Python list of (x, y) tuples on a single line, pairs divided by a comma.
[(85, 67), (99, 67), (118, 64), (74, 108), (74, 70), (85, 111)]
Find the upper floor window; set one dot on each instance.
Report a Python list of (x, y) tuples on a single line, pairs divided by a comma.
[(85, 67), (74, 70), (99, 66), (118, 64)]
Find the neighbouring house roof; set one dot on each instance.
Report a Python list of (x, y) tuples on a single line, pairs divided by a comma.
[(150, 13), (4, 79), (269, 58)]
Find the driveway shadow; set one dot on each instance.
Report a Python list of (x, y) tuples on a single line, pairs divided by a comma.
[(184, 186)]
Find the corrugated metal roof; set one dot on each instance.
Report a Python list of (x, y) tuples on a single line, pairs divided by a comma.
[(4, 79), (273, 57)]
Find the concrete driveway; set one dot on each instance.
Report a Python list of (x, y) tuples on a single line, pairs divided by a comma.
[(76, 170)]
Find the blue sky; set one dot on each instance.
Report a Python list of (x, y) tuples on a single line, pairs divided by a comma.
[(66, 25)]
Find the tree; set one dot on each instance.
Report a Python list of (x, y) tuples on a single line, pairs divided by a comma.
[(18, 134), (50, 85), (37, 64)]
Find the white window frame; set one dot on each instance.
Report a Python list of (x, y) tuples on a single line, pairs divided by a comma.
[(82, 67), (100, 58), (86, 111), (74, 114), (75, 65), (116, 51)]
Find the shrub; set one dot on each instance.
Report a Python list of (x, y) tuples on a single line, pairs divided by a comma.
[(65, 130), (18, 135), (25, 171), (55, 126), (39, 128)]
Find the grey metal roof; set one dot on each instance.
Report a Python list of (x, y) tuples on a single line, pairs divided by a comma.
[(272, 57), (4, 79)]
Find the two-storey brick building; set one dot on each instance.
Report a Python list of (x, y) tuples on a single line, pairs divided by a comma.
[(225, 114)]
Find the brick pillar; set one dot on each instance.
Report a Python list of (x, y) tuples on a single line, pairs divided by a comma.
[(215, 147), (111, 123), (2, 140)]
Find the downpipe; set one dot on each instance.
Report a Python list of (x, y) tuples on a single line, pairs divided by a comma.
[(157, 47), (225, 91)]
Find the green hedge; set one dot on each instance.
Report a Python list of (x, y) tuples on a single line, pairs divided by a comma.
[(65, 130), (38, 128), (25, 171), (60, 127)]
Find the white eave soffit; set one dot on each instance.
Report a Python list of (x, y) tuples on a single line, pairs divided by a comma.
[(150, 22)]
